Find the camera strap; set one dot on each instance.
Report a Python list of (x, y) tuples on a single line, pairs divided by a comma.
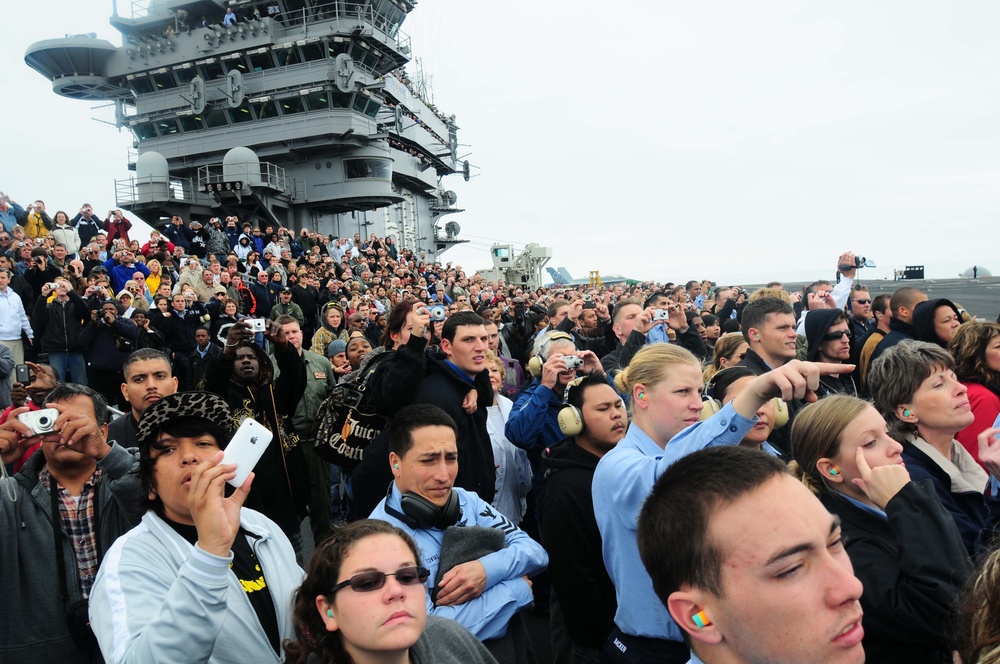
[(7, 482)]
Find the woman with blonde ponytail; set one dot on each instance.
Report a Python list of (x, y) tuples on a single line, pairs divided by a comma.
[(664, 384), (904, 545)]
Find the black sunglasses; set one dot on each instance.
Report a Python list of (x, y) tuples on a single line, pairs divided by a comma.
[(862, 301), (836, 336), (366, 582)]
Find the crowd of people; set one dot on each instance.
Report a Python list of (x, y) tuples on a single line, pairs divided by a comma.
[(671, 473)]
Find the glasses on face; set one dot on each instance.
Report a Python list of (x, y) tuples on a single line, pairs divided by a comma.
[(862, 301), (140, 278), (836, 336), (367, 582)]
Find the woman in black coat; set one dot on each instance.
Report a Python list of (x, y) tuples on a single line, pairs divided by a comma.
[(905, 547)]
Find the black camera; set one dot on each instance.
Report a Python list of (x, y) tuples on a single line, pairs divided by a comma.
[(859, 262)]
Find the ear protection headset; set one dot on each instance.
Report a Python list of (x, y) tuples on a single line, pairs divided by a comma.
[(542, 347), (710, 406), (570, 418), (421, 514)]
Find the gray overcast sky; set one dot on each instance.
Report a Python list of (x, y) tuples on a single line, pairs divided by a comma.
[(668, 140)]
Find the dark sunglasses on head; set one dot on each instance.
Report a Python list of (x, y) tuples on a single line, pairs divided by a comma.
[(836, 336), (367, 582)]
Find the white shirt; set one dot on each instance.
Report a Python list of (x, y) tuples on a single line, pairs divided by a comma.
[(13, 318)]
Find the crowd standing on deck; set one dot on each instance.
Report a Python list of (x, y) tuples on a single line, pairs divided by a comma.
[(670, 472)]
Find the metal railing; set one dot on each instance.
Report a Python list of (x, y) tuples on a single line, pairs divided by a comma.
[(153, 188), (363, 14), (258, 174)]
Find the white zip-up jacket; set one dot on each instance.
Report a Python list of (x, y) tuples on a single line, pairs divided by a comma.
[(158, 598)]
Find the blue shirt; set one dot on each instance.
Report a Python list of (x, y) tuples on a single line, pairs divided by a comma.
[(623, 480), (506, 592), (862, 506)]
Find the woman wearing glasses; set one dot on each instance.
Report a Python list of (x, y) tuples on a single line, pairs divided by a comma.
[(201, 579), (363, 600)]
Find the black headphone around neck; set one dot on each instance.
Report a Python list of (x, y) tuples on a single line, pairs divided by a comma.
[(421, 514)]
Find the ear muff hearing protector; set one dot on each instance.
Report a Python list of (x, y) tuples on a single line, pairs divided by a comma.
[(570, 418), (710, 406), (421, 514), (542, 350)]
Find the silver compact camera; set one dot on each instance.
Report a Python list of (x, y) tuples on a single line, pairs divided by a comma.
[(258, 325), (437, 312), (40, 421), (661, 314), (573, 362)]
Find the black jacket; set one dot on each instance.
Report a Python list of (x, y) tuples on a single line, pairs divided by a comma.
[(199, 364), (394, 384), (912, 567), (442, 387), (898, 331), (977, 518), (59, 324), (281, 484), (437, 385), (179, 332), (99, 337), (569, 533)]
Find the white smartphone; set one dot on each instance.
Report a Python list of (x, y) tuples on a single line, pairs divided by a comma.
[(246, 448)]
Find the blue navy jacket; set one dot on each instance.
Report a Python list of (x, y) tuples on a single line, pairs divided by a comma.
[(623, 480), (506, 592)]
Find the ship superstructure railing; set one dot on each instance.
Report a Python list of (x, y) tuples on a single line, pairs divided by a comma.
[(363, 14), (257, 174), (153, 188)]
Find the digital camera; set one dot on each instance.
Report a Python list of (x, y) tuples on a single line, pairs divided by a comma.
[(258, 325), (40, 421), (859, 262), (573, 362), (661, 314), (437, 312)]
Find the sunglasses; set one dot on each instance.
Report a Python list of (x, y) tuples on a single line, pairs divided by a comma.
[(862, 301), (367, 582), (836, 336)]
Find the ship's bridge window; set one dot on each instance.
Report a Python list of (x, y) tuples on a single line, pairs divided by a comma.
[(240, 115), (335, 48), (318, 101), (289, 56), (291, 105), (265, 109), (261, 61), (144, 131), (340, 100), (142, 85), (314, 51), (164, 81), (366, 105), (212, 71), (191, 123), (367, 169), (186, 75), (364, 57), (167, 127), (216, 118), (239, 65)]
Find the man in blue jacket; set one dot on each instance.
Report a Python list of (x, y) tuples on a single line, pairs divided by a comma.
[(484, 593)]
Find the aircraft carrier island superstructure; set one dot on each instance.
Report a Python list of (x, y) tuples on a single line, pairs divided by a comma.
[(283, 111)]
